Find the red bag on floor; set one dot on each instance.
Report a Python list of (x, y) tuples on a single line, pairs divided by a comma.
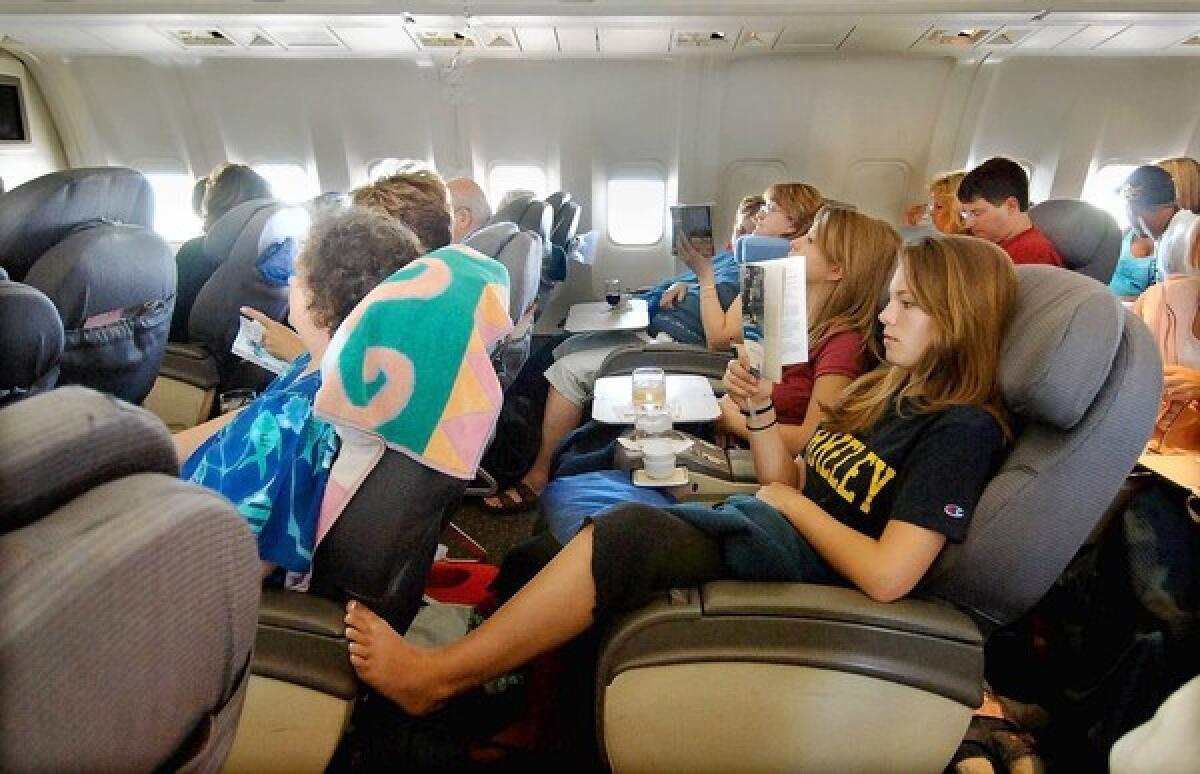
[(460, 582)]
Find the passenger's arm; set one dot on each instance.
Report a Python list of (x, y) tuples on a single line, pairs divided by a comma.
[(722, 327), (772, 460), (885, 569), (187, 441), (278, 339)]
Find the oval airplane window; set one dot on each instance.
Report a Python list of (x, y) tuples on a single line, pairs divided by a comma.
[(173, 217), (290, 183), (636, 210), (1103, 189), (515, 177)]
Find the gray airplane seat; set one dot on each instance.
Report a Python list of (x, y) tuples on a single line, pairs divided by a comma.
[(756, 676), (83, 238), (32, 345), (127, 596), (302, 687), (566, 217), (521, 253), (390, 510), (1087, 237), (253, 247)]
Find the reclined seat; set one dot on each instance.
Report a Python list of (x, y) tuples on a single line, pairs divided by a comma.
[(521, 253), (83, 238), (253, 248), (389, 500), (32, 345), (1087, 237), (127, 596), (302, 687), (769, 676)]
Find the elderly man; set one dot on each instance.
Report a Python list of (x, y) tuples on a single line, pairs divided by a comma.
[(470, 205)]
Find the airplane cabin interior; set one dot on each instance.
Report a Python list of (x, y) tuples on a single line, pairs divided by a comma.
[(597, 385)]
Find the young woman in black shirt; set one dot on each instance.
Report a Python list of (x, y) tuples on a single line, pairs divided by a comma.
[(887, 480)]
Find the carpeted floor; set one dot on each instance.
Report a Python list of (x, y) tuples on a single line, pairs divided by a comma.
[(496, 533)]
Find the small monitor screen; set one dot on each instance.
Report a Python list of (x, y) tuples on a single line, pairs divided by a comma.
[(12, 115)]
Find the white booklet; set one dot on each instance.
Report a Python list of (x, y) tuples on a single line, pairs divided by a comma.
[(775, 315), (248, 346)]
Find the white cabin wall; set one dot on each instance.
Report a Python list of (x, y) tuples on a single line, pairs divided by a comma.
[(20, 162), (1071, 116)]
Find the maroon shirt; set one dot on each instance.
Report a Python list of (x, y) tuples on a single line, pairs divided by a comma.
[(841, 353)]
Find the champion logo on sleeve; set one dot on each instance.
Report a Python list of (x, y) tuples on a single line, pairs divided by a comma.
[(954, 511)]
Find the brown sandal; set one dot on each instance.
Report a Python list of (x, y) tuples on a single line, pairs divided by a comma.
[(509, 504)]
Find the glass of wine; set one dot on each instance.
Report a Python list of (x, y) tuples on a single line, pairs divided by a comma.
[(649, 390), (612, 292)]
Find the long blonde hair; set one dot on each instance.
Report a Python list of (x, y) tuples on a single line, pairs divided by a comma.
[(864, 248), (943, 189), (1185, 173), (968, 286), (799, 201)]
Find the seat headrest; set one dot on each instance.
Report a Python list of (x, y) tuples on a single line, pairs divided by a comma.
[(275, 221), (557, 199), (520, 252), (491, 239), (538, 218), (32, 345), (512, 210), (1060, 345), (566, 224), (1087, 237), (752, 248), (64, 442), (36, 215)]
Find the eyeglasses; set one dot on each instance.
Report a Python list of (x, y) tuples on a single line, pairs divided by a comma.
[(767, 209)]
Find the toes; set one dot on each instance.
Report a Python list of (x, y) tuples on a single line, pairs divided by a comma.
[(360, 617), (358, 662)]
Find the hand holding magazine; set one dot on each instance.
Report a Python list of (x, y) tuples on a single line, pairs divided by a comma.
[(774, 315), (693, 222), (249, 346)]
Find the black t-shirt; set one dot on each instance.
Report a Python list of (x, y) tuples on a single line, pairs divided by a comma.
[(926, 469)]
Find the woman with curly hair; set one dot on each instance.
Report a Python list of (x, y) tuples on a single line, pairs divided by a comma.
[(272, 457)]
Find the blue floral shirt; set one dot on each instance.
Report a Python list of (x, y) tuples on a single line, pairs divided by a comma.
[(273, 462)]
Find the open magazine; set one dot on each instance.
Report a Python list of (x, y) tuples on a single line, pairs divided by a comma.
[(694, 223), (248, 346), (774, 315)]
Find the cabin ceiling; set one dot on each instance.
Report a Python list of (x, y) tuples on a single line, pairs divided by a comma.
[(568, 29)]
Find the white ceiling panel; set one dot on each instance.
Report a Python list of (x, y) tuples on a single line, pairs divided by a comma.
[(133, 37), (305, 37), (375, 39), (54, 38), (1146, 37), (633, 41), (1050, 36), (816, 33), (538, 40), (1091, 36), (577, 40), (875, 35)]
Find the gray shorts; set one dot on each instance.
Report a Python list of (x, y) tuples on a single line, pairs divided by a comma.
[(578, 359)]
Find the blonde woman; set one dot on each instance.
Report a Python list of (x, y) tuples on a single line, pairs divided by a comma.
[(891, 476), (850, 258)]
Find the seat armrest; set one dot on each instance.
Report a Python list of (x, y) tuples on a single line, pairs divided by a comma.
[(911, 642), (672, 357), (300, 640), (190, 364), (834, 603)]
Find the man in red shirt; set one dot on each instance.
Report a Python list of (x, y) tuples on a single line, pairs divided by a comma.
[(995, 200)]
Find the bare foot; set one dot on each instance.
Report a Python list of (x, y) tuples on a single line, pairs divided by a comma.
[(388, 663)]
